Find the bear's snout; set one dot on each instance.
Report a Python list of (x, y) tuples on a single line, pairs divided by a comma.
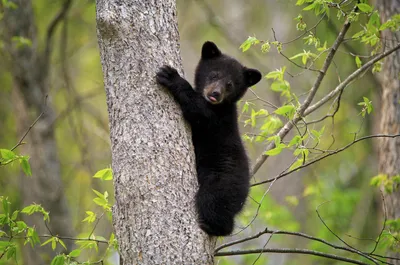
[(214, 93)]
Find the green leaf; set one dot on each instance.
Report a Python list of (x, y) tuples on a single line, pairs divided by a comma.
[(100, 195), (358, 34), (318, 134), (32, 237), (21, 225), (246, 106), (248, 43), (62, 243), (270, 125), (29, 209), (295, 140), (14, 215), (26, 167), (305, 55), (87, 244), (358, 62), (253, 118), (280, 86), (374, 22), (6, 207), (48, 241), (394, 224), (7, 154), (296, 164), (4, 245), (104, 174), (312, 6), (34, 208), (276, 139), (364, 7), (274, 152), (12, 252), (58, 260), (278, 146), (277, 74), (75, 253), (90, 218), (102, 200), (377, 180), (301, 151), (262, 112), (113, 241), (286, 110), (377, 67)]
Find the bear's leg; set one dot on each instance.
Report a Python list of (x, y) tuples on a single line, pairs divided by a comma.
[(215, 218)]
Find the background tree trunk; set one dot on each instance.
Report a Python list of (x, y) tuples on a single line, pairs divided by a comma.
[(29, 69), (389, 153), (152, 154)]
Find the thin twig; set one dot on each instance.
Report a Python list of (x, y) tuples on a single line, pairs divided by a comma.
[(305, 32), (338, 237), (31, 126), (325, 156), (60, 237), (50, 32), (289, 250), (303, 235), (95, 225)]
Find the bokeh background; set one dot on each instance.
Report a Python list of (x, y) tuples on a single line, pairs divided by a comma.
[(338, 185)]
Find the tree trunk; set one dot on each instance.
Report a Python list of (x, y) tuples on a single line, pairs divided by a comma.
[(152, 155), (29, 69), (389, 153)]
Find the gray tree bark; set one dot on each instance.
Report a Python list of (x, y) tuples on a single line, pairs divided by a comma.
[(152, 154), (29, 68), (389, 153)]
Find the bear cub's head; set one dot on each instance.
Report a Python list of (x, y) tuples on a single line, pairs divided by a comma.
[(220, 78)]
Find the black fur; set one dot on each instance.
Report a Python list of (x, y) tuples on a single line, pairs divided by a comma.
[(210, 108)]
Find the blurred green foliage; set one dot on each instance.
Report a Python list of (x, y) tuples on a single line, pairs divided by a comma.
[(338, 186)]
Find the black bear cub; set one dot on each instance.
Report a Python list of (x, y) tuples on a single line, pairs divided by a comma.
[(210, 108)]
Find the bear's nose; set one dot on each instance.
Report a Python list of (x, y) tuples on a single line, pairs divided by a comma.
[(216, 94)]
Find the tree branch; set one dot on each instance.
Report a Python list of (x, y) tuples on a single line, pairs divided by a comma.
[(303, 235), (304, 110), (325, 156), (349, 79), (300, 113), (289, 250), (50, 32), (31, 126)]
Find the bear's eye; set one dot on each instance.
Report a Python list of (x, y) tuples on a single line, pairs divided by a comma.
[(229, 85)]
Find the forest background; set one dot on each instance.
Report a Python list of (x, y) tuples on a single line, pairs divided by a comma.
[(69, 140)]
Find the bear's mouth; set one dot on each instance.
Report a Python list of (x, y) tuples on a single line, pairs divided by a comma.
[(214, 93), (213, 100)]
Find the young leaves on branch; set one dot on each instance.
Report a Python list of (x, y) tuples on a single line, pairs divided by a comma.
[(8, 157)]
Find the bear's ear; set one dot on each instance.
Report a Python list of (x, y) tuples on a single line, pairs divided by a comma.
[(251, 76), (209, 50)]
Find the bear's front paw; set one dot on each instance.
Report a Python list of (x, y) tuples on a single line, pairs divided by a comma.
[(167, 76)]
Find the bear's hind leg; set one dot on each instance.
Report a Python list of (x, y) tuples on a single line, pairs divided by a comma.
[(214, 217)]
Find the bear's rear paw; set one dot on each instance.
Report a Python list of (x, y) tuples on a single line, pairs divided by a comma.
[(167, 76)]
